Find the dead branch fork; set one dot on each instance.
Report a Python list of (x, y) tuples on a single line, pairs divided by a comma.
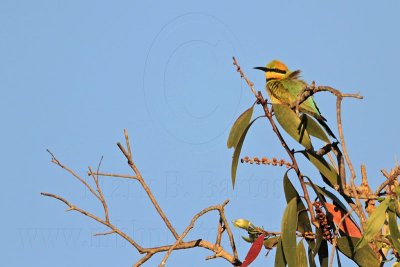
[(215, 247)]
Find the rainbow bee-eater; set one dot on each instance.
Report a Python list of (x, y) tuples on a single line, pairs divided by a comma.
[(284, 86)]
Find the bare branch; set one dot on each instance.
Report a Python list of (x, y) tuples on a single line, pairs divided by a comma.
[(105, 233), (115, 175), (220, 208), (94, 217), (128, 156), (58, 163), (102, 200)]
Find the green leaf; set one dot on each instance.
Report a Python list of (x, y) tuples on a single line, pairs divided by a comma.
[(311, 255), (397, 190), (239, 127), (314, 128), (303, 223), (364, 256), (289, 225), (323, 253), (236, 153), (280, 260), (301, 255), (329, 174), (374, 224), (291, 123), (394, 229), (326, 193), (290, 191)]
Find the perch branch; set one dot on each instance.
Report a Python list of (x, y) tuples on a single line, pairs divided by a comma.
[(268, 114)]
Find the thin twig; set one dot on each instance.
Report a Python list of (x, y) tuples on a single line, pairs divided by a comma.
[(102, 199), (189, 227), (105, 233), (116, 175), (360, 211), (249, 83), (191, 244), (395, 172), (128, 145), (334, 164), (228, 231), (58, 163), (145, 186), (94, 217)]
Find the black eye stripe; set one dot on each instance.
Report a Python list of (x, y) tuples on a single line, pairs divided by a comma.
[(276, 70)]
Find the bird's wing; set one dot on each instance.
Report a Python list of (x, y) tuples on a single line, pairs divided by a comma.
[(278, 93), (295, 87)]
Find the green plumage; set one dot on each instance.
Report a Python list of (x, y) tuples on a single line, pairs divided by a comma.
[(286, 89)]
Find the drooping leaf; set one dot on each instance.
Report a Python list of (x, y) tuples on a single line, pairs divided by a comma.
[(288, 188), (323, 253), (301, 255), (347, 225), (394, 229), (314, 128), (303, 223), (289, 225), (374, 224), (364, 256), (253, 251), (339, 262), (271, 242), (311, 260), (239, 127), (280, 260), (291, 123), (236, 153), (329, 174), (397, 190), (326, 193)]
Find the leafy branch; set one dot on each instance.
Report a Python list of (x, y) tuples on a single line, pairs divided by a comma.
[(332, 222)]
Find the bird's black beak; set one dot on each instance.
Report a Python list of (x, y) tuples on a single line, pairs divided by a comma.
[(261, 68)]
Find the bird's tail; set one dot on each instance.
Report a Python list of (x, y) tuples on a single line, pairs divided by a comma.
[(322, 121)]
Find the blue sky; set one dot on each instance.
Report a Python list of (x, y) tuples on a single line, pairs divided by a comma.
[(74, 74)]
